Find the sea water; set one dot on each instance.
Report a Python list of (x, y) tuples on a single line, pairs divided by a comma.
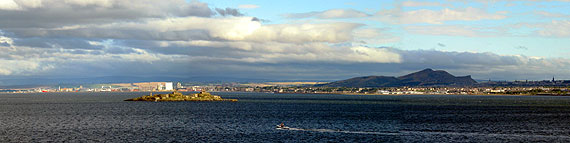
[(105, 117)]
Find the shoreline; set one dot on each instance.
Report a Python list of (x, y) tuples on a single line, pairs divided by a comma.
[(6, 93), (429, 94)]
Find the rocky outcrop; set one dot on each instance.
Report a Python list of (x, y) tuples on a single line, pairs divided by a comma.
[(177, 96)]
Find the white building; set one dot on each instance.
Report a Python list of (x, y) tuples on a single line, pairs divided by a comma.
[(168, 86)]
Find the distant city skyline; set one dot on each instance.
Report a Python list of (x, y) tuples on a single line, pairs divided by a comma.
[(283, 40)]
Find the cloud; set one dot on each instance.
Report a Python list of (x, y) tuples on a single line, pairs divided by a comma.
[(455, 30), (264, 60), (76, 38), (113, 39), (20, 67), (30, 61), (554, 28), (422, 4), (59, 13), (275, 52), (551, 14), (198, 28), (9, 5), (170, 54), (397, 16), (486, 65), (374, 36), (248, 6), (229, 12), (329, 14), (6, 41), (64, 43), (495, 1)]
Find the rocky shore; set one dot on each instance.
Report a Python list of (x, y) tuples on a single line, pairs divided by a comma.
[(177, 96)]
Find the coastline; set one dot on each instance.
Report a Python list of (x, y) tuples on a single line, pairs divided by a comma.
[(14, 93), (430, 94)]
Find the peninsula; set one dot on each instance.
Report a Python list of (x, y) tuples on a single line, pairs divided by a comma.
[(177, 96)]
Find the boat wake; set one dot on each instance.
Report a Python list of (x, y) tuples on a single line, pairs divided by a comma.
[(338, 131), (413, 133)]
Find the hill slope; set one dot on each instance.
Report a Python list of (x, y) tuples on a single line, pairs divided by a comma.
[(427, 77)]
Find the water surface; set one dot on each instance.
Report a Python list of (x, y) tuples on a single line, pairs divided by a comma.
[(94, 117)]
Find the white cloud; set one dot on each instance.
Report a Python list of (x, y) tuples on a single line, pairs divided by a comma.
[(100, 3), (556, 28), (276, 52), (494, 1), (374, 36), (436, 17), (422, 3), (15, 62), (298, 33), (30, 3), (11, 67), (455, 30), (551, 14), (9, 5), (6, 41), (248, 6), (199, 28), (24, 61), (58, 13), (375, 55), (496, 66), (329, 14), (116, 37)]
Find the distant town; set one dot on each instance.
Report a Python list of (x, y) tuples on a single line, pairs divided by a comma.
[(544, 87)]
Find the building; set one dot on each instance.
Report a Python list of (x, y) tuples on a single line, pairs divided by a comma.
[(179, 85), (154, 86), (168, 86)]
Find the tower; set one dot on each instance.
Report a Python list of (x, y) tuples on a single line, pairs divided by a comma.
[(553, 79)]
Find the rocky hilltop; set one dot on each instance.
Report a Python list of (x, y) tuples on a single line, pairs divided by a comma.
[(429, 77), (426, 77), (177, 96)]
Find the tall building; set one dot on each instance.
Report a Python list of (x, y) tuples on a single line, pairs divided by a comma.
[(168, 86)]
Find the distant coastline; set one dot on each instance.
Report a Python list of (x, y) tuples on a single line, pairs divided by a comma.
[(321, 93), (433, 94)]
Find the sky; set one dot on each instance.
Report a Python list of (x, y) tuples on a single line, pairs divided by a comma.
[(284, 40)]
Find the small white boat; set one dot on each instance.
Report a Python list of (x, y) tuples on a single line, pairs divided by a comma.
[(282, 126)]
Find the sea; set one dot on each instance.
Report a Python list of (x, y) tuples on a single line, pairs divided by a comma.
[(105, 117)]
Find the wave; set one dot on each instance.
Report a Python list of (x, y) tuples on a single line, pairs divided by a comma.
[(482, 134), (411, 133), (340, 131)]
